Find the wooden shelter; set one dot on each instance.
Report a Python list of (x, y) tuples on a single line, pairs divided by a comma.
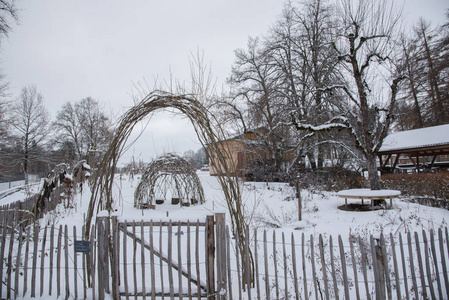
[(424, 149)]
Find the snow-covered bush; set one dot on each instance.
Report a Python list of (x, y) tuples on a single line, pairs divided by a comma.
[(430, 189)]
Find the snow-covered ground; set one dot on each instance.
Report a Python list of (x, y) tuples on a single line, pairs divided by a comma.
[(271, 206), (266, 207)]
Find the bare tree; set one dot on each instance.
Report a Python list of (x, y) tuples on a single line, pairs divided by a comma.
[(254, 83), (29, 121), (8, 10), (84, 127), (306, 62), (366, 46)]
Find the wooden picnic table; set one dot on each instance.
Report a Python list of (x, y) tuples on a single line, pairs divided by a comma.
[(369, 195)]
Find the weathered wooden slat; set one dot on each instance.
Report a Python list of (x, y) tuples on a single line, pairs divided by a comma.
[(75, 266), (247, 263), (210, 257), (179, 246), (25, 266), (412, 265), (18, 263), (197, 256), (312, 260), (84, 266), (142, 260), (2, 249), (102, 257), (66, 253), (443, 261), (44, 239), (52, 247), (421, 267), (58, 263), (161, 261), (228, 260), (237, 253), (364, 271), (295, 267), (221, 288), (334, 273), (354, 267), (323, 266), (284, 252), (152, 268), (115, 258), (304, 269), (9, 268), (395, 266), (428, 272), (125, 261), (189, 263), (134, 225), (377, 280), (267, 274), (404, 267), (276, 279), (385, 265), (33, 270), (435, 262), (161, 223), (92, 260), (343, 266), (170, 260), (256, 265)]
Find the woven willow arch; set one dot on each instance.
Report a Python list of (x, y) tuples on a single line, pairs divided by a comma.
[(208, 131), (173, 171)]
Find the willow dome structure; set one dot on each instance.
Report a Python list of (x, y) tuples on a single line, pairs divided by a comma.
[(173, 173)]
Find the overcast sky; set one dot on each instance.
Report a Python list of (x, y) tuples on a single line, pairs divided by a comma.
[(74, 49)]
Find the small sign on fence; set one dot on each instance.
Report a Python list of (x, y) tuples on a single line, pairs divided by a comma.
[(82, 246)]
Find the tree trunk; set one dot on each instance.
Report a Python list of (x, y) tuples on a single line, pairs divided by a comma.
[(374, 179)]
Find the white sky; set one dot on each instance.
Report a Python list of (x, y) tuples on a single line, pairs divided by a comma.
[(74, 49)]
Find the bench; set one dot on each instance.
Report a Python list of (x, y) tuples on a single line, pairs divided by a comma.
[(368, 195)]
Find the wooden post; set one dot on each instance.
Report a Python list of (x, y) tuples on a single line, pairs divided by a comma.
[(221, 255), (102, 259), (210, 257), (298, 195), (115, 259)]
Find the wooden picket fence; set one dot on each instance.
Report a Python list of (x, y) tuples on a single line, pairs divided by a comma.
[(296, 267), (16, 213), (200, 259), (41, 261)]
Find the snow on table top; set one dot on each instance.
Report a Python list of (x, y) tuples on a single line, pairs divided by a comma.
[(429, 136), (367, 193)]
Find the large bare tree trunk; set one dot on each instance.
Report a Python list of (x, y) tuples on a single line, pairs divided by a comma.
[(373, 174)]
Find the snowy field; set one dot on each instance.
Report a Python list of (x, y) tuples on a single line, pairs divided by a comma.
[(271, 206)]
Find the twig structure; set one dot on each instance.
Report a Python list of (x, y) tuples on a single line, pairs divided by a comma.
[(169, 172)]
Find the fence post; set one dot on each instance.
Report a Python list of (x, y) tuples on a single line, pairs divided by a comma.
[(210, 257), (221, 255), (102, 257), (115, 259)]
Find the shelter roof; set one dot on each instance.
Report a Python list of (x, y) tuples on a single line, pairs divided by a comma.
[(424, 141)]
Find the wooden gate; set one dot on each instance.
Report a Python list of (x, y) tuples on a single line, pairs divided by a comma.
[(162, 259)]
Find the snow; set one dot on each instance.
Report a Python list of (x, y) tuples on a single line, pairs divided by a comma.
[(266, 206), (423, 137), (367, 193), (271, 206)]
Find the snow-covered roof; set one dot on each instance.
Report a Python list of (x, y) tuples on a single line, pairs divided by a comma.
[(417, 138)]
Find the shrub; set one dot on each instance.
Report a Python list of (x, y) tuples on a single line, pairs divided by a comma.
[(329, 179), (425, 188)]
